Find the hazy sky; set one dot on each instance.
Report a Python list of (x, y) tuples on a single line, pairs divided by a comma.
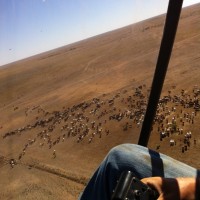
[(29, 27)]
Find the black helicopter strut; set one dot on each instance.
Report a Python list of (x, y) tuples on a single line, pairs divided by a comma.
[(171, 24)]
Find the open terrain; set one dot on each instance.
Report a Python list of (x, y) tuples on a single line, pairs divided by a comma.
[(63, 110)]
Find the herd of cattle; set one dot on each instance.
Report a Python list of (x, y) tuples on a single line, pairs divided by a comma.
[(94, 119)]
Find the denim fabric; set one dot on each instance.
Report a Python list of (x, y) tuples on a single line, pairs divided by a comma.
[(138, 159)]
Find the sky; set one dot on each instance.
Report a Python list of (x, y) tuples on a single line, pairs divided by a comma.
[(29, 27)]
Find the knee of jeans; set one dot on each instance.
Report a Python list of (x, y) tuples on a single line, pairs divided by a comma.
[(120, 158), (115, 151), (120, 151), (124, 148)]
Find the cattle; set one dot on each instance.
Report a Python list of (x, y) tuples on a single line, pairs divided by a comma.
[(54, 153), (172, 142)]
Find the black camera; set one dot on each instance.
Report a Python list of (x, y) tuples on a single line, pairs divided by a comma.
[(131, 188)]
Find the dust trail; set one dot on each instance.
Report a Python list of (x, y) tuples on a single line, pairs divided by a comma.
[(46, 168)]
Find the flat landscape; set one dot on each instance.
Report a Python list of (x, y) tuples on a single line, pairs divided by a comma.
[(63, 110)]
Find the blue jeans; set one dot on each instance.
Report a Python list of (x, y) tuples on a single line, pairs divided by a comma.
[(142, 161)]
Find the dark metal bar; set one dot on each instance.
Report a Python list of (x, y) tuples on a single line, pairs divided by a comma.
[(171, 24)]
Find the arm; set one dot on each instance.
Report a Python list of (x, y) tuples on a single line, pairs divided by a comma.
[(174, 188)]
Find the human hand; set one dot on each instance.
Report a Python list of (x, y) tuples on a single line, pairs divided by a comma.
[(182, 188)]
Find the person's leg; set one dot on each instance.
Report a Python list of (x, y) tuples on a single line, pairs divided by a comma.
[(140, 160)]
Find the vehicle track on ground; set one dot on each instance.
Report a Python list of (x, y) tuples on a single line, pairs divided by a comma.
[(46, 168)]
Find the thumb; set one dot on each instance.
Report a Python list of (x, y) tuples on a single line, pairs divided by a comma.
[(161, 197), (154, 183)]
